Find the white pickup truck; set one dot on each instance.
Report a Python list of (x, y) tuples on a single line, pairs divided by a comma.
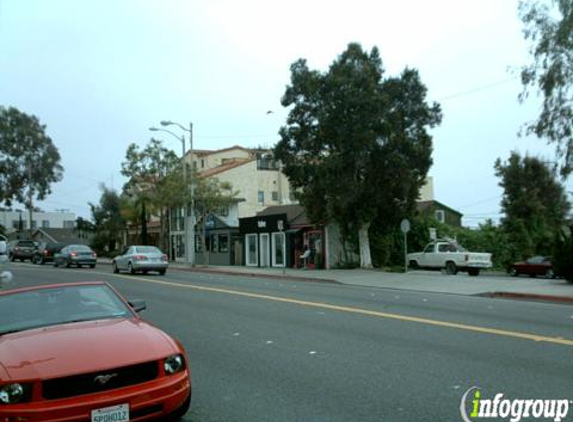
[(448, 255)]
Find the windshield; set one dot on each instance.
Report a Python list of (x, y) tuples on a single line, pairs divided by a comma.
[(52, 306)]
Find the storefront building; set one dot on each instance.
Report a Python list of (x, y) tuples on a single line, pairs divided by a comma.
[(281, 236)]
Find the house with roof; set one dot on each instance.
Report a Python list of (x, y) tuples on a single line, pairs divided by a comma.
[(428, 206), (69, 236)]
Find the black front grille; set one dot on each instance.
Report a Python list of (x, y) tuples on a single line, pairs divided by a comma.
[(94, 382)]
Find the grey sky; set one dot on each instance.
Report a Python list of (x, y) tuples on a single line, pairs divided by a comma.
[(100, 73)]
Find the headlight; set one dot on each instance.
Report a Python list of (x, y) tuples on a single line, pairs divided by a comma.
[(174, 364), (14, 393)]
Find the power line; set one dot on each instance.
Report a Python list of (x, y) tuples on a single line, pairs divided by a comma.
[(479, 89), (481, 201)]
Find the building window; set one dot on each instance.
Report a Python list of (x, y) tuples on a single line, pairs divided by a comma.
[(224, 211), (441, 216), (261, 197), (69, 224), (15, 224), (266, 162), (214, 246), (202, 163), (45, 224), (275, 195), (223, 243)]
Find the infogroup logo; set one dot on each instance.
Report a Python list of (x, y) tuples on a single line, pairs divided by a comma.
[(513, 409)]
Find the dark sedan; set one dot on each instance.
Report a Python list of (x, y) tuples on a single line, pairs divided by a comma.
[(46, 251), (21, 249), (534, 266), (77, 255)]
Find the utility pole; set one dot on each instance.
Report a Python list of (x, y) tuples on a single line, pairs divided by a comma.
[(189, 209), (30, 197), (191, 244)]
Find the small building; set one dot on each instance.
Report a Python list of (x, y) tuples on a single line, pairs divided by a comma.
[(222, 243), (282, 236)]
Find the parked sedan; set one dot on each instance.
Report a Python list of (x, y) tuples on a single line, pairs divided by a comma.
[(77, 255), (534, 266), (140, 258), (80, 352), (46, 251)]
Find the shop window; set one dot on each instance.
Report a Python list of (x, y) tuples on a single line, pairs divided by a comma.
[(278, 248)]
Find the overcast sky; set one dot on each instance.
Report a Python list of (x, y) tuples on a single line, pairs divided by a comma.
[(98, 74)]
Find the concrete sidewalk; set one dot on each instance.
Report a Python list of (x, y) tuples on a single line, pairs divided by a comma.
[(486, 284)]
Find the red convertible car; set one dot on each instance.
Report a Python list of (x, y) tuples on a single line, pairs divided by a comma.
[(79, 352)]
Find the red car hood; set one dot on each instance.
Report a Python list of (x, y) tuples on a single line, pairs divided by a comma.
[(56, 351)]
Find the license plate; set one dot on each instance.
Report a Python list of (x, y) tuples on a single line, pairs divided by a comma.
[(119, 413)]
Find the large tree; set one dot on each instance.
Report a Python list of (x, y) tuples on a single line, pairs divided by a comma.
[(154, 184), (109, 225), (355, 144), (29, 160), (549, 27), (534, 203)]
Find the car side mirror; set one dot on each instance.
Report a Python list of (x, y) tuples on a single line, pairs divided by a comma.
[(137, 305)]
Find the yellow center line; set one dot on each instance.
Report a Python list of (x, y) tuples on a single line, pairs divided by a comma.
[(360, 311)]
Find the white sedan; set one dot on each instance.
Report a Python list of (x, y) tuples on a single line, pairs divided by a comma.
[(139, 258)]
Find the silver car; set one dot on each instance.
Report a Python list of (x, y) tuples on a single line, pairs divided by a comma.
[(140, 258)]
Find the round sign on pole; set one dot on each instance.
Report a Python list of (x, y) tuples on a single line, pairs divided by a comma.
[(405, 225)]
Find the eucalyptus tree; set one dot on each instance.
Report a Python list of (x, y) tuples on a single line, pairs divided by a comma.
[(548, 24), (356, 143)]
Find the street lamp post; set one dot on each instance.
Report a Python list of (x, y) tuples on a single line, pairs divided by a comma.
[(189, 217), (185, 224)]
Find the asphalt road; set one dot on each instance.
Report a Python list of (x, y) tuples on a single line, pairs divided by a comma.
[(271, 350)]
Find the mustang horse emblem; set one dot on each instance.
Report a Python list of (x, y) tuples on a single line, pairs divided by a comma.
[(103, 379)]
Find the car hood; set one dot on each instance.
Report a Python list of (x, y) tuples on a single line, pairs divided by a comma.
[(68, 349)]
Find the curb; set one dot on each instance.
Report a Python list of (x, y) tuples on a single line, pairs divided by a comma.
[(530, 296), (260, 275), (210, 270)]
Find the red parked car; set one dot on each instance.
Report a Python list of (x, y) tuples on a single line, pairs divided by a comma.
[(537, 265), (79, 352)]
